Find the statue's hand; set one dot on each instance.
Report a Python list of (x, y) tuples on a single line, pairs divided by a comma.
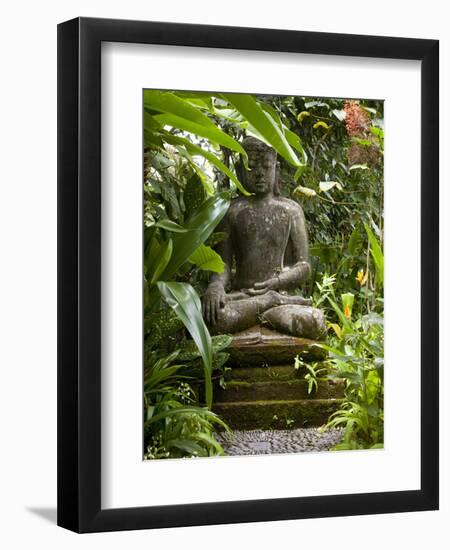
[(264, 286), (213, 299)]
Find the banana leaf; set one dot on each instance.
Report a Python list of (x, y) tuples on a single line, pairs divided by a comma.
[(161, 261), (180, 113), (199, 226), (211, 157), (264, 124), (213, 133), (207, 259), (184, 301)]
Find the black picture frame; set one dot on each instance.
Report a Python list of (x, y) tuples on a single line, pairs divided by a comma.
[(79, 274)]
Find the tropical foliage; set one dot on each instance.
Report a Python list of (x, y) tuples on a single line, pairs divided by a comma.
[(330, 154)]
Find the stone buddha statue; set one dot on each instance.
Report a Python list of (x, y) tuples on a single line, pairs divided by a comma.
[(266, 258)]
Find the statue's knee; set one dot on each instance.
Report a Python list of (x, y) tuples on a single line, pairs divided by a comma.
[(312, 323), (221, 319), (229, 320), (301, 321)]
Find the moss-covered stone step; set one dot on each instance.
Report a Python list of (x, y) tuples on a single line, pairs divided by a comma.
[(244, 390), (266, 373), (260, 345), (266, 415)]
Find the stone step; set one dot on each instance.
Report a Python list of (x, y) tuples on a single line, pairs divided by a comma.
[(264, 373), (279, 415), (275, 389)]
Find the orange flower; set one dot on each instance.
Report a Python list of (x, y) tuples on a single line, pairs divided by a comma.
[(362, 277), (347, 312)]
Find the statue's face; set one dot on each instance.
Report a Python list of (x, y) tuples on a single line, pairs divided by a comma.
[(260, 178)]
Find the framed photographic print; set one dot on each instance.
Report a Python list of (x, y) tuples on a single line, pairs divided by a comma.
[(248, 274)]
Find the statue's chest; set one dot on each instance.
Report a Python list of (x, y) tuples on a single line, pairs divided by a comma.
[(262, 227)]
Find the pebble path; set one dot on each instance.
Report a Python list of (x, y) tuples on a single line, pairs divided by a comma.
[(261, 442)]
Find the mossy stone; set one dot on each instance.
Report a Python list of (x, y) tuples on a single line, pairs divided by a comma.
[(277, 390), (262, 346), (267, 415)]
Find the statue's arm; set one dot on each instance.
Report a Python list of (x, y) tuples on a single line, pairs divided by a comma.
[(298, 239), (224, 249), (215, 296)]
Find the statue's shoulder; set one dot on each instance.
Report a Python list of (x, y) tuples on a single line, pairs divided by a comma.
[(237, 204), (289, 205), (237, 201)]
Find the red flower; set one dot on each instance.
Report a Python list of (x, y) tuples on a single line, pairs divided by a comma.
[(357, 121)]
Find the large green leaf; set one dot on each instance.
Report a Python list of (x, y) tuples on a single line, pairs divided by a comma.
[(264, 124), (200, 226), (184, 301), (150, 124), (152, 252), (204, 178), (377, 253), (211, 157), (207, 259), (198, 98), (294, 141), (209, 131), (183, 114), (228, 114), (292, 138), (168, 102), (170, 225), (187, 445), (152, 140), (272, 112), (161, 261)]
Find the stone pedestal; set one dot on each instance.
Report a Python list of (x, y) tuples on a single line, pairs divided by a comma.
[(260, 345), (265, 391)]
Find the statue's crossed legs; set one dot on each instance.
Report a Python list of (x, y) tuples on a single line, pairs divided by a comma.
[(285, 313)]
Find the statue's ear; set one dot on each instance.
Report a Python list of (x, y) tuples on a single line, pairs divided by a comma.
[(277, 183), (240, 170)]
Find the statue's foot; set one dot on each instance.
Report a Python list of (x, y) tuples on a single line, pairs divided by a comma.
[(298, 320)]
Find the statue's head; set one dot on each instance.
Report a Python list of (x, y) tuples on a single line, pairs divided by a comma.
[(262, 162)]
